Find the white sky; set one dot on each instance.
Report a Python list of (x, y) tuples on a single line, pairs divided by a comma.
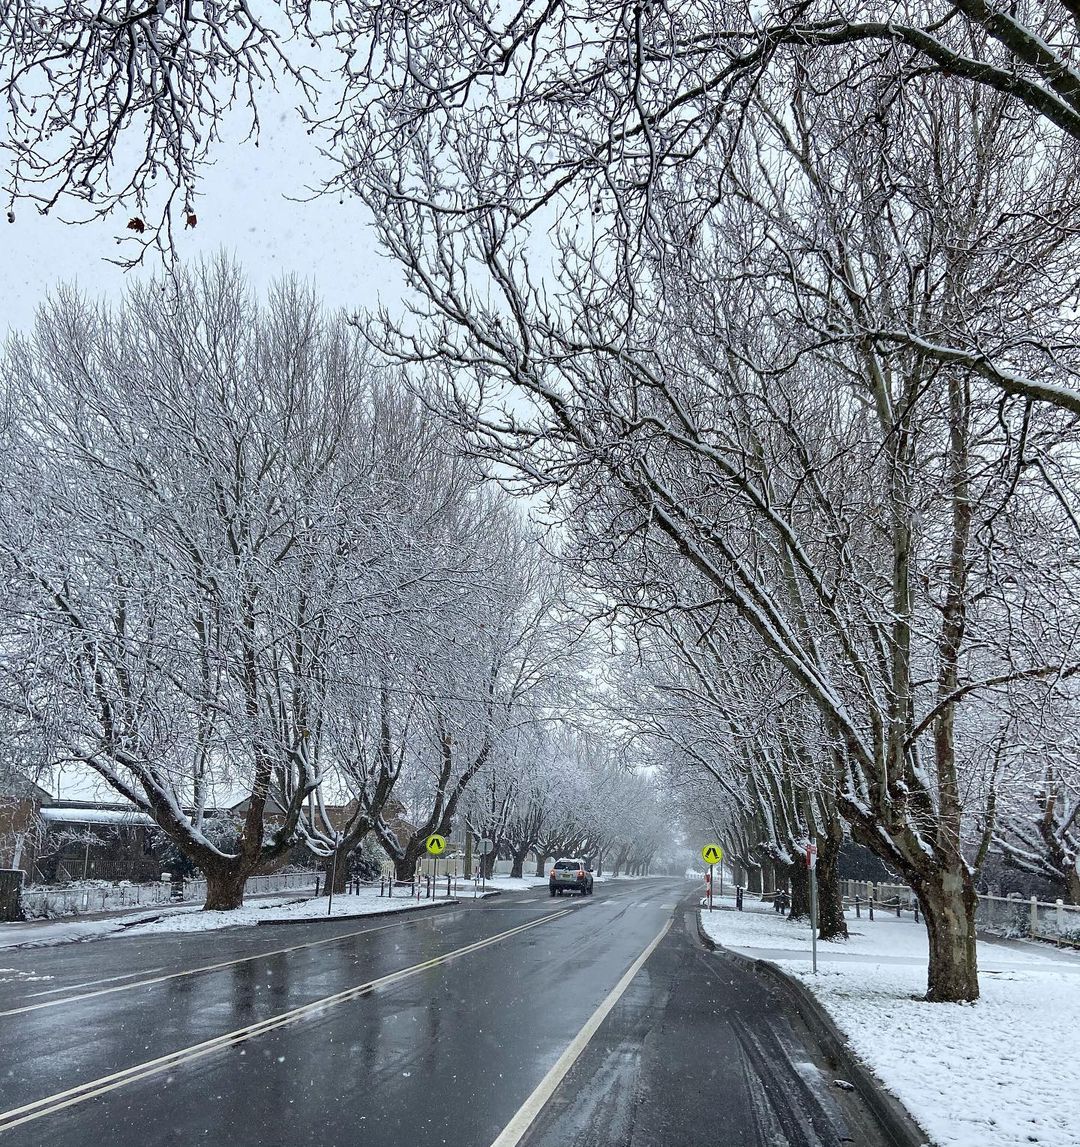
[(243, 208)]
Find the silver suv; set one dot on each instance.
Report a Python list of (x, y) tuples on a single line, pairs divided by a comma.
[(570, 874)]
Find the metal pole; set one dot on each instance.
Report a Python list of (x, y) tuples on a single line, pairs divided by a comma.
[(721, 880), (813, 913), (710, 886), (333, 879)]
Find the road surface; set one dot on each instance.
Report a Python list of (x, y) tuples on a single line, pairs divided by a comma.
[(520, 1019)]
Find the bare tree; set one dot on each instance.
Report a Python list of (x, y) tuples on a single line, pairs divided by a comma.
[(191, 525)]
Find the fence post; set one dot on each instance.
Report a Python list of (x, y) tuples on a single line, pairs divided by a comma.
[(1060, 905), (858, 910), (1033, 922), (871, 902), (898, 905)]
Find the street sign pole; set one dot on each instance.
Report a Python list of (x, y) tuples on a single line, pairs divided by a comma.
[(811, 861), (713, 854)]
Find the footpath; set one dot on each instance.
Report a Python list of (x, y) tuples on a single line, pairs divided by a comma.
[(1001, 1072)]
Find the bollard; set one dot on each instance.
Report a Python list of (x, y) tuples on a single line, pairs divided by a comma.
[(448, 886), (316, 885), (871, 907), (858, 910), (898, 907), (916, 911), (738, 898)]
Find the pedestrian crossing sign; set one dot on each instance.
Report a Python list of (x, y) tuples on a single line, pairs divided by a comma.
[(712, 854), (435, 844)]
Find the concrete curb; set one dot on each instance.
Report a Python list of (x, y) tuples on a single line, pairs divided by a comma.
[(891, 1114), (421, 907)]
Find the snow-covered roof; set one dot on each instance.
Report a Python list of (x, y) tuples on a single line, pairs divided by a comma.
[(94, 816)]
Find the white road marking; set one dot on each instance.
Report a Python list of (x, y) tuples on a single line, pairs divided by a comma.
[(530, 900), (51, 1104), (526, 1115), (92, 983), (202, 968)]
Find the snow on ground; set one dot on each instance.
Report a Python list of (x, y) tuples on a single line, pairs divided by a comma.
[(367, 902), (191, 918), (998, 1073)]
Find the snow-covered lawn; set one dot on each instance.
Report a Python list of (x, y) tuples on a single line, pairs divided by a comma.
[(998, 1073)]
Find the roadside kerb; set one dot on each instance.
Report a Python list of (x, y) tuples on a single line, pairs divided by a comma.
[(891, 1114), (421, 907)]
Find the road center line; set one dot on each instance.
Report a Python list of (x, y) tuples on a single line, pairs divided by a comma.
[(51, 1104), (526, 1114), (93, 983), (202, 968)]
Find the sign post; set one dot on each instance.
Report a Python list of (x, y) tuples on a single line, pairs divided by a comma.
[(811, 864), (713, 854), (435, 845)]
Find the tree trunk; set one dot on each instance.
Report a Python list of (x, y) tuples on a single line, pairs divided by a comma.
[(405, 866), (770, 879), (518, 867), (1072, 885), (800, 890), (224, 888), (487, 864), (336, 865), (948, 901), (754, 880), (830, 893), (541, 865)]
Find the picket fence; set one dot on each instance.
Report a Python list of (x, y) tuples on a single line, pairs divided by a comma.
[(77, 900)]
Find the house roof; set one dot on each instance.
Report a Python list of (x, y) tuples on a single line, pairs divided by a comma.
[(94, 816)]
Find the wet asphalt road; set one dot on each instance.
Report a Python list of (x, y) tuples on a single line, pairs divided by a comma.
[(425, 1028)]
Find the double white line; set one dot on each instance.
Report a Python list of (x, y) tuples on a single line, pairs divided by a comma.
[(96, 1087)]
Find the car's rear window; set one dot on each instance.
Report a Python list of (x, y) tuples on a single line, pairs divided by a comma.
[(568, 864)]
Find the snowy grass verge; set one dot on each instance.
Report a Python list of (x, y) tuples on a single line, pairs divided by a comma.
[(191, 918), (367, 903), (997, 1073)]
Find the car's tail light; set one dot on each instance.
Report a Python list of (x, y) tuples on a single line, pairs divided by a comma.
[(552, 874), (581, 874)]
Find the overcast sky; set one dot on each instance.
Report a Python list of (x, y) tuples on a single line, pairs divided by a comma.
[(243, 208)]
